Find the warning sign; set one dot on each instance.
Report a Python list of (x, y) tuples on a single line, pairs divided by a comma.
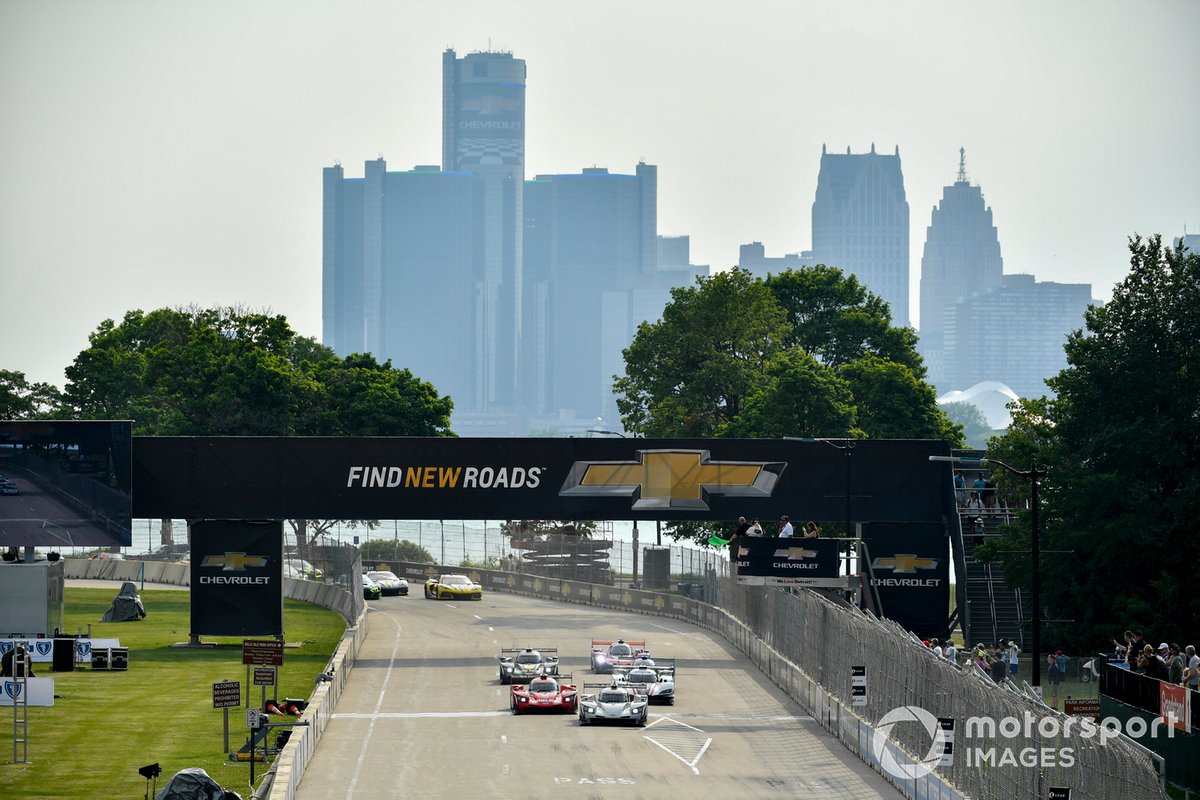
[(227, 694)]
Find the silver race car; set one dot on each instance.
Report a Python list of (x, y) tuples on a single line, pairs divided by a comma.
[(521, 665), (654, 681), (612, 703)]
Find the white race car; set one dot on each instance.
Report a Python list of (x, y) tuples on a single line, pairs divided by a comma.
[(656, 682), (613, 703)]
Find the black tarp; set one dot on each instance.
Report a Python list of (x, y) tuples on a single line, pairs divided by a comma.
[(126, 606), (194, 783)]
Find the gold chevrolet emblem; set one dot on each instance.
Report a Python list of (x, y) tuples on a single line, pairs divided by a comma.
[(234, 562), (672, 479), (795, 553), (904, 562)]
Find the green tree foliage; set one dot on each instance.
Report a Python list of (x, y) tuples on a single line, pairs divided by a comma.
[(20, 399), (971, 419), (1121, 447), (804, 353), (384, 550)]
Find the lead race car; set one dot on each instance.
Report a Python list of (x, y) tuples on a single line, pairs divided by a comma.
[(522, 665), (653, 679), (452, 587), (545, 693), (613, 703), (608, 655)]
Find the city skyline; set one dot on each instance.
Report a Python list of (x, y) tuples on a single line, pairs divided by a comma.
[(164, 155)]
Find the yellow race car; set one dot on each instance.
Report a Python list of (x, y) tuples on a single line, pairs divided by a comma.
[(452, 587)]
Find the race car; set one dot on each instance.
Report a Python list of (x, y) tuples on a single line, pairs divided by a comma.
[(613, 703), (607, 654), (388, 582), (545, 693), (522, 665), (656, 681), (452, 587)]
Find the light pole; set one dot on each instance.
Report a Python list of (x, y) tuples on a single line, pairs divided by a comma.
[(607, 433), (1035, 572)]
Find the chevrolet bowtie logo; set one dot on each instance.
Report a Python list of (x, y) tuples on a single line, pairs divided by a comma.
[(674, 479), (795, 553), (904, 562), (234, 562)]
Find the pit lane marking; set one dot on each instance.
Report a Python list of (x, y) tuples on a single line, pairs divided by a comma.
[(362, 752), (680, 741), (450, 606)]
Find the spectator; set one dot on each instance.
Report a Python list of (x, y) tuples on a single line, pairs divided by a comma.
[(1175, 665), (974, 503), (1191, 673), (785, 527), (979, 485), (978, 531), (1014, 653), (989, 494), (960, 488), (742, 527), (811, 531), (1152, 665), (999, 665), (755, 529), (951, 652), (1136, 647), (936, 647)]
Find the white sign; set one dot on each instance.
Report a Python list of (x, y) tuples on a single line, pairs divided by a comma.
[(42, 650), (41, 691)]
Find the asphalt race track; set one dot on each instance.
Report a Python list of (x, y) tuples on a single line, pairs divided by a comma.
[(424, 715)]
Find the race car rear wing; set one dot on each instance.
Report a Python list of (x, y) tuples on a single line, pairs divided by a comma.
[(630, 642), (545, 651), (662, 665)]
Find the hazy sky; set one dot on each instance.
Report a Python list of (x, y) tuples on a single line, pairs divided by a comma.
[(166, 153)]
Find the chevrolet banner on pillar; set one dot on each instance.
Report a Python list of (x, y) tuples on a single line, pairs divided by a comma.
[(579, 478), (792, 562), (237, 578)]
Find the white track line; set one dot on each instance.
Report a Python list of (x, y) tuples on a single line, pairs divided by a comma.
[(476, 616), (423, 715), (362, 751)]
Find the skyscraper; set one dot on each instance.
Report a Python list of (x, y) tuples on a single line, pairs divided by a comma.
[(402, 263), (860, 223), (961, 259), (483, 133)]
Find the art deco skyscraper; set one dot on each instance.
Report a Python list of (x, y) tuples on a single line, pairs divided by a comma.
[(860, 223), (961, 260), (483, 133)]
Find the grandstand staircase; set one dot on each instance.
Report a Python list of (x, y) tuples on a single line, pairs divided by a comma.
[(998, 613)]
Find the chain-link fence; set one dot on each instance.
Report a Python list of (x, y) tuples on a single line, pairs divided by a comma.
[(1045, 750)]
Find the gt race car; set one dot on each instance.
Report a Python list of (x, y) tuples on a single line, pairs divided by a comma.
[(613, 703), (608, 655), (389, 584), (452, 587), (522, 665), (545, 693)]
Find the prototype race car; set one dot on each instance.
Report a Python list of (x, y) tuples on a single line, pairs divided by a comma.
[(389, 583), (452, 587), (613, 703), (544, 693), (608, 655), (656, 681), (522, 665)]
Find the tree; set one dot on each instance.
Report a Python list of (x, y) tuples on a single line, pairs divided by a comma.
[(804, 353), (689, 374), (20, 399), (1121, 447), (971, 419), (233, 372), (378, 550)]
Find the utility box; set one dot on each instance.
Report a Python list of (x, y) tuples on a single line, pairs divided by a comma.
[(31, 598)]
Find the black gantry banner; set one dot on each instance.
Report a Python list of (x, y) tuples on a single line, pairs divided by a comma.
[(910, 569), (437, 478), (237, 578), (799, 562)]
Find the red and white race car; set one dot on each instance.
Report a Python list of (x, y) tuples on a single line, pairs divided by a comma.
[(545, 693), (608, 655)]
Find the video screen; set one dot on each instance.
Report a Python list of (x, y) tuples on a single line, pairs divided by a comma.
[(65, 483)]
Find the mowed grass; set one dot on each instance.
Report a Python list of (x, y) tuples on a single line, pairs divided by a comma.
[(103, 726)]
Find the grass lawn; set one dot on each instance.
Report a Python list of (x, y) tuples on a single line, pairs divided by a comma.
[(103, 726)]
